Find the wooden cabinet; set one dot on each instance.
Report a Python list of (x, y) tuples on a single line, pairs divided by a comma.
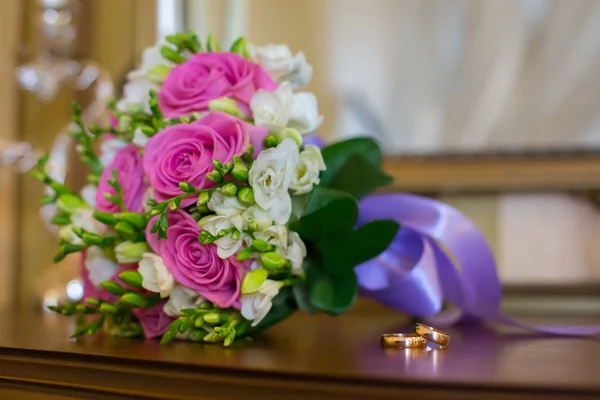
[(306, 357)]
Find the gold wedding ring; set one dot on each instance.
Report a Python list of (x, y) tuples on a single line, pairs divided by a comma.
[(432, 335), (402, 341)]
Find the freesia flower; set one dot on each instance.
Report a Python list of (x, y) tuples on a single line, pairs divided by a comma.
[(278, 61), (295, 251), (140, 138), (209, 76), (256, 306), (155, 275), (100, 268), (82, 218), (196, 265), (128, 164), (307, 172), (270, 177), (185, 152), (256, 214), (225, 206), (305, 116), (227, 245), (180, 299), (272, 110), (277, 235), (109, 149)]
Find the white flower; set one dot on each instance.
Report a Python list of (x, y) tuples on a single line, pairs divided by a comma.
[(305, 116), (308, 169), (136, 94), (100, 268), (155, 275), (301, 73), (140, 138), (256, 306), (295, 251), (88, 194), (109, 149), (180, 299), (83, 218), (257, 215), (151, 57), (277, 235), (272, 110), (270, 177), (227, 245), (225, 205), (128, 252), (278, 61)]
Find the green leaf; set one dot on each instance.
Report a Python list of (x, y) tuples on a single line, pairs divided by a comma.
[(283, 306), (301, 297), (328, 214), (331, 294), (363, 244), (338, 154), (358, 177)]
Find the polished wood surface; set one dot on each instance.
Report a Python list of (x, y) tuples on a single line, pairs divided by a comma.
[(314, 356)]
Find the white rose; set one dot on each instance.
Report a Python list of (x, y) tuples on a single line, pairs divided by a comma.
[(227, 245), (180, 299), (277, 235), (88, 194), (270, 177), (100, 268), (308, 169), (301, 73), (155, 275), (272, 110), (258, 215), (276, 59), (256, 306), (225, 205), (305, 116), (295, 251), (140, 138), (109, 149)]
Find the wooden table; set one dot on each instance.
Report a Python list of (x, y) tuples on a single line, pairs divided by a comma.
[(306, 357)]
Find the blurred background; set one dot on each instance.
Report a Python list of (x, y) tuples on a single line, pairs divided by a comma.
[(490, 106)]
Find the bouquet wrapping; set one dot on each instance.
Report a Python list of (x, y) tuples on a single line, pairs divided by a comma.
[(210, 212)]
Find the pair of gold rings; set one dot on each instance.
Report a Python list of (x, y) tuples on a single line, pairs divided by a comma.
[(417, 340)]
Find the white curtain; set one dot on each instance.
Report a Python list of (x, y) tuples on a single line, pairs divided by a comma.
[(432, 75)]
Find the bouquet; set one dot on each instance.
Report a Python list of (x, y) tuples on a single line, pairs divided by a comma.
[(211, 211)]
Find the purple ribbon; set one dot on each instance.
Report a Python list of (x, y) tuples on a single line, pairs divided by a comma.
[(438, 255)]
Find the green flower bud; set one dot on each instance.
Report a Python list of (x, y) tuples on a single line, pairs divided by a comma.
[(245, 254), (124, 123), (113, 287), (92, 301), (69, 203), (261, 245), (215, 318), (198, 322), (240, 172), (214, 176), (240, 46), (271, 141), (291, 133), (212, 44), (212, 337), (246, 195), (61, 219), (229, 189), (129, 253), (217, 164), (158, 73), (253, 280), (197, 336), (134, 300), (108, 308), (125, 230), (236, 235), (273, 260), (254, 226), (136, 220), (203, 198), (104, 217), (171, 55), (131, 278), (92, 239), (226, 105)]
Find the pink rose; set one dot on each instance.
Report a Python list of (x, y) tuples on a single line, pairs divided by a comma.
[(128, 163), (197, 265), (185, 152), (154, 321), (209, 76)]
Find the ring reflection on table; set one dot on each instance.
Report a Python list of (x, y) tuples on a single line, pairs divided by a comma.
[(403, 341), (432, 335)]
